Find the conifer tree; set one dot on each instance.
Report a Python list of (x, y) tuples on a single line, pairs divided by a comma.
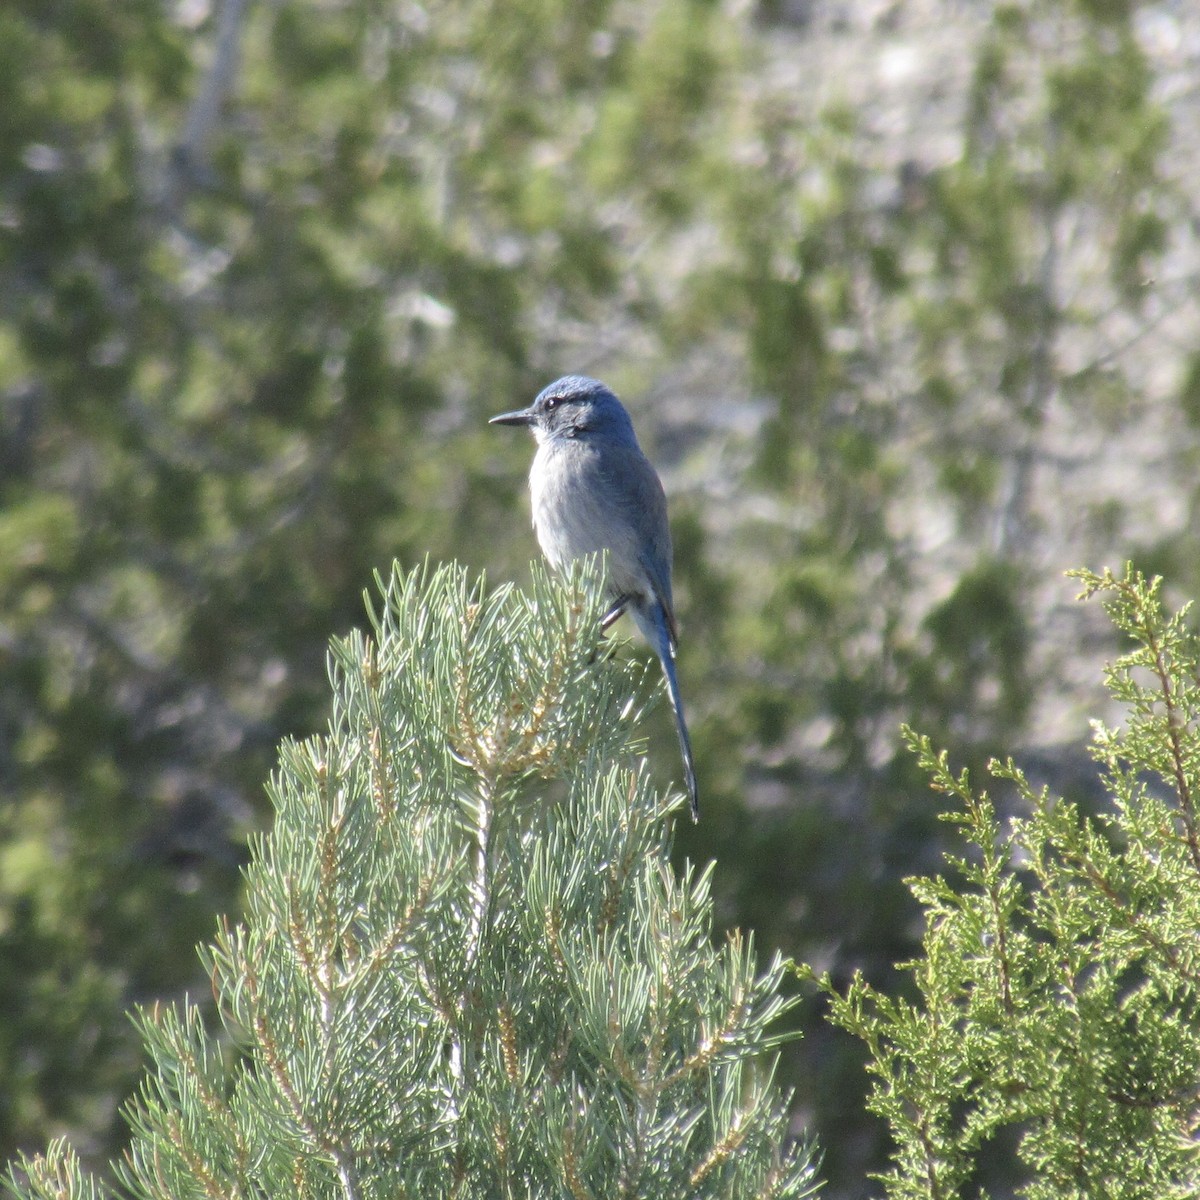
[(467, 967), (1058, 992)]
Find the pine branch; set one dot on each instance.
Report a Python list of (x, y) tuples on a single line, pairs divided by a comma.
[(467, 966)]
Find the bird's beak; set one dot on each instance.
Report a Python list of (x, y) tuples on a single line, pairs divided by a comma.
[(523, 416)]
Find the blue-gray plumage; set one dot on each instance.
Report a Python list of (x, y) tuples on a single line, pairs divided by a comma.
[(593, 489)]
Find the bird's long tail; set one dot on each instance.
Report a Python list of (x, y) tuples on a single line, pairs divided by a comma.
[(654, 627)]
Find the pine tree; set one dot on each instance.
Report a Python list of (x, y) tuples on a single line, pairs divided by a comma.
[(467, 967)]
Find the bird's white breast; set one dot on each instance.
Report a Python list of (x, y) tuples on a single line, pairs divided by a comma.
[(574, 516)]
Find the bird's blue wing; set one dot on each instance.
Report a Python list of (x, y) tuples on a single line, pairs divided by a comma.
[(634, 490)]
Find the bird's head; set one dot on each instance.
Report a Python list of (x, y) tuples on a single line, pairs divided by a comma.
[(574, 406)]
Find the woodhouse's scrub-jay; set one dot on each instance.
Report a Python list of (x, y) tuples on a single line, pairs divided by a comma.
[(593, 489)]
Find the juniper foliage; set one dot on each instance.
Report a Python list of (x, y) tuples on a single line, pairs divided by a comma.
[(1058, 992)]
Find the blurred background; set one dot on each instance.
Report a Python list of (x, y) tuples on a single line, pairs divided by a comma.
[(902, 296)]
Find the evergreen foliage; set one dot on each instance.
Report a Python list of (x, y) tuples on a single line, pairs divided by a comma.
[(467, 967), (1058, 988)]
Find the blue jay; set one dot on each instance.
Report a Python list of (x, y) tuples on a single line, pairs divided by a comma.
[(593, 489)]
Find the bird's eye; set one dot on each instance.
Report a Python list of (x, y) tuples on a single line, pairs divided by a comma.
[(552, 403)]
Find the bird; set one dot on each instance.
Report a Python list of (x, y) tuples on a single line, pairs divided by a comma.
[(594, 490)]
